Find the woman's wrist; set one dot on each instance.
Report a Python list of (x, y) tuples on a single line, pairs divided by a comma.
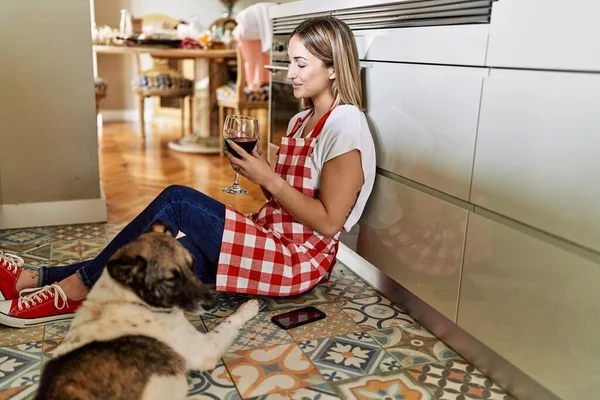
[(275, 184)]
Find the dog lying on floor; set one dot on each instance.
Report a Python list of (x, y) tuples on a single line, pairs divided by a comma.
[(130, 339)]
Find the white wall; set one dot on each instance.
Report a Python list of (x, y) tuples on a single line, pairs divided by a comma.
[(48, 137), (47, 112)]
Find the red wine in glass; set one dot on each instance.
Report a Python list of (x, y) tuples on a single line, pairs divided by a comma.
[(245, 143), (244, 131)]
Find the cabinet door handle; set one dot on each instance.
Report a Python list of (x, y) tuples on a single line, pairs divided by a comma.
[(274, 68)]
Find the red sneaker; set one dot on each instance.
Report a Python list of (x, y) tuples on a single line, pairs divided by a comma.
[(37, 306), (10, 270)]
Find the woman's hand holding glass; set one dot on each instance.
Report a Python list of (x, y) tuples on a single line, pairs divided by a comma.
[(242, 130), (253, 166)]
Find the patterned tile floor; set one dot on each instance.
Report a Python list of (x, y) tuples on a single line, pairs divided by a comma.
[(366, 348)]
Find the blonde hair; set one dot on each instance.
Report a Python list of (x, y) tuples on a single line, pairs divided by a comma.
[(332, 41)]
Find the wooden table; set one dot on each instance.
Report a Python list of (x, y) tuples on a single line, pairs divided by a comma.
[(210, 74)]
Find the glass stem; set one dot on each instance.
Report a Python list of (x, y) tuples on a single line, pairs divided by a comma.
[(236, 180)]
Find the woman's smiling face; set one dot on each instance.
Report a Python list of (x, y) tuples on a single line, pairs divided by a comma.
[(309, 76)]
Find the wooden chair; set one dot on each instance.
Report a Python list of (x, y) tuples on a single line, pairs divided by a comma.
[(100, 87), (161, 80), (225, 23), (237, 97)]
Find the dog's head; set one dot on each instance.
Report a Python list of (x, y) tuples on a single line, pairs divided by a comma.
[(161, 271)]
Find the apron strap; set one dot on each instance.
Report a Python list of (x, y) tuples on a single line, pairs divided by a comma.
[(299, 123), (320, 124), (318, 127)]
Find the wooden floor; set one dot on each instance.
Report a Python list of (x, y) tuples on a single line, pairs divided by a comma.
[(133, 171)]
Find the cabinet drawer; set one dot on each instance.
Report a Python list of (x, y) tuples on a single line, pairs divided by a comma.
[(417, 240), (451, 45), (544, 34), (537, 152), (424, 122), (535, 304)]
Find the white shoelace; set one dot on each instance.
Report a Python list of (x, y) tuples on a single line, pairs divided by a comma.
[(11, 262), (31, 297)]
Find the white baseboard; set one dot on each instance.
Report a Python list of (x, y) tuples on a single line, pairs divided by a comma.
[(351, 258), (13, 216), (124, 115)]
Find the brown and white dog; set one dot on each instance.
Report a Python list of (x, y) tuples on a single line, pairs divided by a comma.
[(130, 339)]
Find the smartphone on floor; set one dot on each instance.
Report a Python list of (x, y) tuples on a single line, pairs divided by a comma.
[(301, 316)]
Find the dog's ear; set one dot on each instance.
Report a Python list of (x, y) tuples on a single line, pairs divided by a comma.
[(161, 227), (127, 270)]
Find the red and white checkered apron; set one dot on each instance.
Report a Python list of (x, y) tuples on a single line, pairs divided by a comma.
[(271, 253)]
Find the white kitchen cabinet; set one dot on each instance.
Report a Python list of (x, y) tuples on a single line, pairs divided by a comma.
[(453, 45), (417, 240), (424, 121), (534, 303), (545, 34), (537, 158)]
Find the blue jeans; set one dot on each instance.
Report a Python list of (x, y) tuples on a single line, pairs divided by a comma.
[(199, 216)]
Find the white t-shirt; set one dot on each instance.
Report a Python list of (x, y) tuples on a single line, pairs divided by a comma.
[(346, 129)]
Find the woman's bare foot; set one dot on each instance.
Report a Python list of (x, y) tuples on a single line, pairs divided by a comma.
[(28, 279), (74, 287)]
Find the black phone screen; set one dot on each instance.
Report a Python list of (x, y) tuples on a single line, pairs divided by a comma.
[(298, 317)]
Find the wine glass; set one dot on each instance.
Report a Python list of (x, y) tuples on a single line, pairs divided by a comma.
[(243, 131)]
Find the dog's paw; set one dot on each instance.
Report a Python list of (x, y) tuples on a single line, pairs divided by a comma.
[(207, 363), (249, 309)]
